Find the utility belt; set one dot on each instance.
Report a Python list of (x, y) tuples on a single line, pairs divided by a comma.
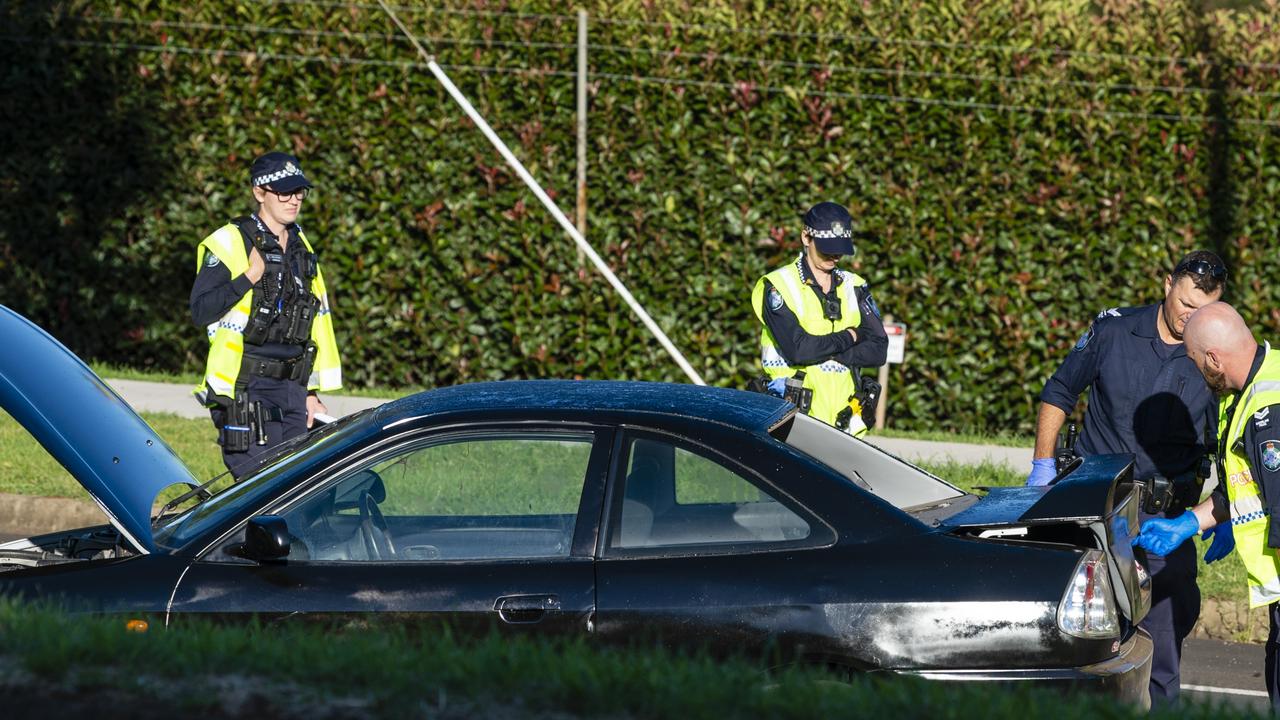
[(296, 369), (246, 421)]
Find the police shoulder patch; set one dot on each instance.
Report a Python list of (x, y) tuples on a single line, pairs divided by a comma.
[(870, 302), (1262, 418), (775, 299), (210, 260), (1083, 342), (1109, 312), (1269, 454)]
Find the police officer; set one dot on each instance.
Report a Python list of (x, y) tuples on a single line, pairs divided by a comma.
[(1146, 398), (261, 296), (820, 320), (1246, 377)]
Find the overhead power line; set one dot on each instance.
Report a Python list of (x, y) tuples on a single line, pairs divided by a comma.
[(709, 57), (419, 8), (881, 97), (792, 34)]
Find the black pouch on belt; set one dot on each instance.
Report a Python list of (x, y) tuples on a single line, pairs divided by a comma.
[(235, 433), (796, 393), (302, 366), (869, 395)]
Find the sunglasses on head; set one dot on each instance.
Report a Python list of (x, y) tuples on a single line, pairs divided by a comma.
[(1201, 267)]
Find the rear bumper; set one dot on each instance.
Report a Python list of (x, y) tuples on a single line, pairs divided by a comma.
[(1124, 676)]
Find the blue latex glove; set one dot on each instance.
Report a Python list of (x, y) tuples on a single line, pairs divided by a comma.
[(1162, 536), (1224, 541), (1042, 471), (778, 386)]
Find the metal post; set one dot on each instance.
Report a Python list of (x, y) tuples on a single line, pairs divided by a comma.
[(546, 201), (884, 388), (582, 127)]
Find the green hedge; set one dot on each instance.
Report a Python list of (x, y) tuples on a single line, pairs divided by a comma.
[(1017, 166)]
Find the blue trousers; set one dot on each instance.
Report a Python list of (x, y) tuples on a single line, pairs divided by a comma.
[(1175, 606), (290, 397)]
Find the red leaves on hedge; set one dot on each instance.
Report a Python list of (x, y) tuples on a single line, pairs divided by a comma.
[(517, 213), (426, 219), (744, 93)]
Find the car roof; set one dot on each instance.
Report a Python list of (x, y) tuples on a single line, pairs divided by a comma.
[(582, 399)]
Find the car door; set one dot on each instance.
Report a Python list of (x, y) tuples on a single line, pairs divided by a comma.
[(483, 527), (700, 550)]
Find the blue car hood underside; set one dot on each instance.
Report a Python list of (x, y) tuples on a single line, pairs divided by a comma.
[(86, 427)]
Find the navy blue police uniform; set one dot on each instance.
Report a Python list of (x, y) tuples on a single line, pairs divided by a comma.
[(1146, 398)]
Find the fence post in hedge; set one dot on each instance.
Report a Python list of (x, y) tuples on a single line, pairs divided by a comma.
[(582, 128), (882, 406)]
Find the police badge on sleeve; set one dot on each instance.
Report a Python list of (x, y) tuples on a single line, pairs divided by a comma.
[(775, 299), (1270, 455), (1083, 342)]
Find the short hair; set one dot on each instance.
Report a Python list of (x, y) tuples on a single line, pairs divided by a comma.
[(1206, 270)]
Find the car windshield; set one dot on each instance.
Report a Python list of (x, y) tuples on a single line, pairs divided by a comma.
[(180, 529), (895, 480)]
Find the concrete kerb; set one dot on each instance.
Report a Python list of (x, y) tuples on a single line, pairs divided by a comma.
[(26, 515)]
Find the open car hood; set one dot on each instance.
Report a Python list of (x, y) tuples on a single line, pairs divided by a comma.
[(86, 426), (1099, 494)]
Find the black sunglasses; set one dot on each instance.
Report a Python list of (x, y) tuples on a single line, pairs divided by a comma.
[(1201, 267), (300, 193)]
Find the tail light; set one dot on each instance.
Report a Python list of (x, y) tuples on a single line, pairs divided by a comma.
[(1088, 609)]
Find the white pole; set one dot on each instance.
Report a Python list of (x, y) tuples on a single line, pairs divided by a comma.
[(551, 207), (582, 126), (882, 409)]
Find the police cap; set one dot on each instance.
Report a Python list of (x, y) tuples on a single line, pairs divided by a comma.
[(278, 171), (830, 227)]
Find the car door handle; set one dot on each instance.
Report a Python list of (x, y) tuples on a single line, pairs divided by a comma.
[(523, 609)]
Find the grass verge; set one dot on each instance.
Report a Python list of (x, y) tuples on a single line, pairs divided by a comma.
[(361, 670)]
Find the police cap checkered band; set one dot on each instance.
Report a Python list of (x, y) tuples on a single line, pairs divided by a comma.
[(837, 230), (278, 171), (830, 227)]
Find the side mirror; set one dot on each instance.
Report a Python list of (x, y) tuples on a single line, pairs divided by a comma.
[(266, 539)]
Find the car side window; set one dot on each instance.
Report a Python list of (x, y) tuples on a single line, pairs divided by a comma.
[(675, 496), (471, 497)]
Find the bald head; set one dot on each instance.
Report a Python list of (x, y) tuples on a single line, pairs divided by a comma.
[(1221, 345)]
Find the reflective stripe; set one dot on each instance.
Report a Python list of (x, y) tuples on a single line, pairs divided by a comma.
[(1261, 387), (328, 378), (1245, 509), (219, 385), (791, 285), (1264, 594), (770, 357), (832, 366)]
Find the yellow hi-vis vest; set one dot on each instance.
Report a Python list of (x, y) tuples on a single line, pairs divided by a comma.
[(831, 382), (226, 336), (1249, 519)]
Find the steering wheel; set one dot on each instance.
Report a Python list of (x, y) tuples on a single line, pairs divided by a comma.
[(373, 529)]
